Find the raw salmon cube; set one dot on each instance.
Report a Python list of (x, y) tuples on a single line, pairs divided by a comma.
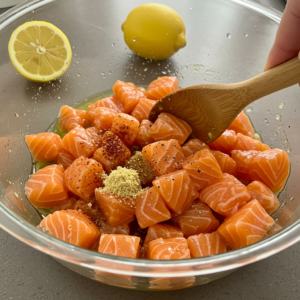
[(46, 188), (120, 229), (70, 117), (244, 178), (198, 218), (111, 102), (142, 110), (202, 168), (69, 203), (206, 244), (150, 208), (112, 152), (72, 227), (44, 146), (120, 245), (143, 137), (166, 249), (65, 158), (243, 159), (161, 87), (140, 164), (164, 156), (272, 167), (83, 176), (167, 127), (245, 143), (247, 226), (126, 128), (95, 135), (193, 146), (128, 94), (224, 143), (163, 230), (263, 195), (79, 143), (242, 124), (117, 210), (226, 195), (177, 190), (91, 209), (226, 163), (104, 118)]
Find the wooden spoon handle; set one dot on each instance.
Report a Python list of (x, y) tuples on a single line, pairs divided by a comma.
[(273, 80)]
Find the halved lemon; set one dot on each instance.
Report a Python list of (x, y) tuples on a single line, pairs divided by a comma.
[(40, 51)]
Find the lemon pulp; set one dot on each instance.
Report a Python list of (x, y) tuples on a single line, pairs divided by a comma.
[(40, 51)]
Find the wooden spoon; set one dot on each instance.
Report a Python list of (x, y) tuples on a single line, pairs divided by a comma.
[(211, 108)]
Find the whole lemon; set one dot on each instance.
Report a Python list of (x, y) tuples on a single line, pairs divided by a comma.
[(154, 31)]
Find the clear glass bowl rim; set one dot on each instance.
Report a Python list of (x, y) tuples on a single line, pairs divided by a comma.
[(119, 265)]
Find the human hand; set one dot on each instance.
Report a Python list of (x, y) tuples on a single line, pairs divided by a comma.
[(287, 41)]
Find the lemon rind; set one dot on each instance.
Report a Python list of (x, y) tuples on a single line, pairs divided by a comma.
[(19, 67)]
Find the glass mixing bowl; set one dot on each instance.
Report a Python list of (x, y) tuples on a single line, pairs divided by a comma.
[(227, 41)]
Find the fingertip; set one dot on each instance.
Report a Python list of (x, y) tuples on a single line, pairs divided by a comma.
[(267, 66)]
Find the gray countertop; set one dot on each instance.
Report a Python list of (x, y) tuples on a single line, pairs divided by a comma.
[(26, 273)]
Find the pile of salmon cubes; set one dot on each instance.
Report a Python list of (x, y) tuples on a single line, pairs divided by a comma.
[(200, 199)]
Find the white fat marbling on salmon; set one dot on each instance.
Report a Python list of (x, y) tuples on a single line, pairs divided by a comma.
[(164, 156), (206, 244), (174, 248), (79, 143), (225, 195), (168, 127), (143, 108), (198, 218), (247, 226), (120, 245), (71, 117), (71, 227), (151, 209), (46, 186), (44, 146)]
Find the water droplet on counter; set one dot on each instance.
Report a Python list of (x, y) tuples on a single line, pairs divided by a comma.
[(266, 121), (288, 150), (278, 117), (145, 69), (17, 115), (281, 105), (58, 98), (164, 72), (249, 109), (246, 34), (228, 35), (113, 44)]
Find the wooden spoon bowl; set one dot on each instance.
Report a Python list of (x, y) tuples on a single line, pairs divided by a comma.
[(211, 108)]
